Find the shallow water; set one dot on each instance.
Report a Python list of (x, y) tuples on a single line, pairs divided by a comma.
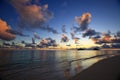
[(47, 64)]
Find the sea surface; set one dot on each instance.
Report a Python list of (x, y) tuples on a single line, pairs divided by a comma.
[(48, 64)]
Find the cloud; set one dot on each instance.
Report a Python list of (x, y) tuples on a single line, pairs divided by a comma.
[(75, 29), (72, 35), (16, 32), (4, 35), (64, 38), (32, 16), (106, 38), (63, 29), (76, 39), (98, 37), (6, 44), (89, 32), (83, 26), (50, 29), (36, 36), (115, 40), (95, 38), (118, 34), (47, 42), (83, 21)]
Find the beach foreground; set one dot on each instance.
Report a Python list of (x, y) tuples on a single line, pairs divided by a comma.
[(107, 69)]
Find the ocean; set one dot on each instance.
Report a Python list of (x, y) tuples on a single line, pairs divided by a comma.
[(48, 64)]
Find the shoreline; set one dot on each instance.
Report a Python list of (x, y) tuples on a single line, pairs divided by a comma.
[(106, 69)]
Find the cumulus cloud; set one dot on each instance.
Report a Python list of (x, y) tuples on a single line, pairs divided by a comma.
[(83, 21), (4, 35), (106, 38), (98, 37), (89, 32), (32, 16), (64, 38), (47, 42), (83, 26)]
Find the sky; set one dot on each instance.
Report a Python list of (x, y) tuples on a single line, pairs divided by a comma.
[(58, 19)]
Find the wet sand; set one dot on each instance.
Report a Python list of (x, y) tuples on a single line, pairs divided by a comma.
[(107, 69)]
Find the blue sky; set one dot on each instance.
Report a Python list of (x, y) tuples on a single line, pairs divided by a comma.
[(105, 16)]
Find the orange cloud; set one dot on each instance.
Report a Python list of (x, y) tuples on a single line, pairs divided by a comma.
[(3, 31), (106, 37), (83, 21), (32, 14), (86, 17), (94, 39)]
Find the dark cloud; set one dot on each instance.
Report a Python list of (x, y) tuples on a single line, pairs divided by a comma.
[(76, 39), (50, 29), (36, 36), (64, 38), (95, 38), (89, 32), (76, 29), (106, 38), (101, 41), (72, 35), (115, 40), (4, 35), (83, 21), (47, 42), (32, 16), (115, 45), (6, 44), (63, 29), (17, 32), (118, 34), (98, 37)]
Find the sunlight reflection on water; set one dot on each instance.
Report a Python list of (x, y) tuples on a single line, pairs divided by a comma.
[(50, 64)]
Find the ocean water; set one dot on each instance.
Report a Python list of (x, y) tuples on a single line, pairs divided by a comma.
[(48, 64)]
